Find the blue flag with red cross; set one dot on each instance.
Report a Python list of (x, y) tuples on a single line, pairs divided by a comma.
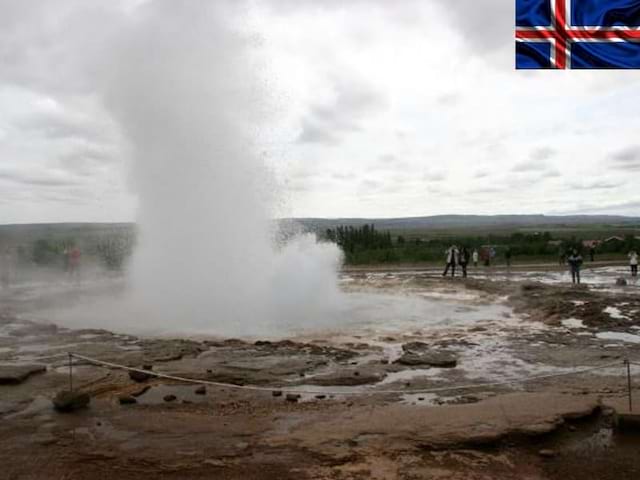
[(581, 34)]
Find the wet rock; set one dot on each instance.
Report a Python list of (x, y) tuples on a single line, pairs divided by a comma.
[(277, 393), (478, 329), (531, 286), (15, 374), (292, 397), (127, 400), (201, 390), (66, 401), (348, 378), (415, 347), (438, 359), (547, 453), (170, 398), (320, 397), (139, 377), (621, 282)]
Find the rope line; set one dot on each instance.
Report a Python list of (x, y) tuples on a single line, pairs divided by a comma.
[(256, 388)]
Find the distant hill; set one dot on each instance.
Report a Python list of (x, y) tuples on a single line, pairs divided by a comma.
[(90, 232), (471, 221)]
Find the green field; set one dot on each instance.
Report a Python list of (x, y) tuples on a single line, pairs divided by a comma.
[(531, 239)]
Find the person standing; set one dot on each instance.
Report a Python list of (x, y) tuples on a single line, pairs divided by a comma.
[(452, 259), (592, 254), (507, 256), (575, 262), (475, 257), (633, 263), (464, 261)]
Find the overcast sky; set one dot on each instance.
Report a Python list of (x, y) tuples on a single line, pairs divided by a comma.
[(382, 109)]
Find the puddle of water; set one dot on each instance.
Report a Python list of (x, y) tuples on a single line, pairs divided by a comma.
[(155, 395), (129, 347), (419, 398), (621, 336), (409, 375), (39, 405), (614, 312), (573, 323)]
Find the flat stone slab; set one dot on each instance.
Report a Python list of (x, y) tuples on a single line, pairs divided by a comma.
[(66, 401), (482, 423), (15, 374), (438, 359)]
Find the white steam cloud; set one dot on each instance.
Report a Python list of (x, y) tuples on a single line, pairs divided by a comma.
[(185, 86)]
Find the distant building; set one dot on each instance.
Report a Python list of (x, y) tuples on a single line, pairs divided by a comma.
[(615, 238)]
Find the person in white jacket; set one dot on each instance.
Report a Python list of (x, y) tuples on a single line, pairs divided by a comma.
[(633, 263), (452, 255), (475, 257)]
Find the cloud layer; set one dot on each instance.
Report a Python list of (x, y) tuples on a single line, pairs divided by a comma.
[(383, 109)]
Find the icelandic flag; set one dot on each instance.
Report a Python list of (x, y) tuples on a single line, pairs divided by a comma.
[(581, 34)]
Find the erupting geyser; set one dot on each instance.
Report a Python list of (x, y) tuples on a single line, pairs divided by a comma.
[(187, 93)]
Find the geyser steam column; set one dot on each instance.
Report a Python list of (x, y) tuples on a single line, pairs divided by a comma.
[(187, 93)]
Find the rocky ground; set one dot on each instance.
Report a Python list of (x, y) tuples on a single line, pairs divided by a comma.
[(345, 403)]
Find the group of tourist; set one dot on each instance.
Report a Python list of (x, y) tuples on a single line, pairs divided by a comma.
[(460, 256), (575, 262)]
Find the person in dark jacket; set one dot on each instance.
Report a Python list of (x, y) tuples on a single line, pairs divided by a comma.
[(463, 260), (575, 262)]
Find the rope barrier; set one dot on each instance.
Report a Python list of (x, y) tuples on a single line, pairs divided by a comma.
[(256, 388)]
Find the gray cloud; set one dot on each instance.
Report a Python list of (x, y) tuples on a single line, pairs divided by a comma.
[(625, 208), (448, 99), (387, 158), (344, 176), (59, 124), (485, 25), (551, 173), (532, 165), (595, 185), (627, 159), (434, 176), (353, 100), (543, 153), (42, 179), (86, 160)]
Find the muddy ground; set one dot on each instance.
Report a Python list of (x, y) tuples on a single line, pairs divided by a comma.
[(342, 402)]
